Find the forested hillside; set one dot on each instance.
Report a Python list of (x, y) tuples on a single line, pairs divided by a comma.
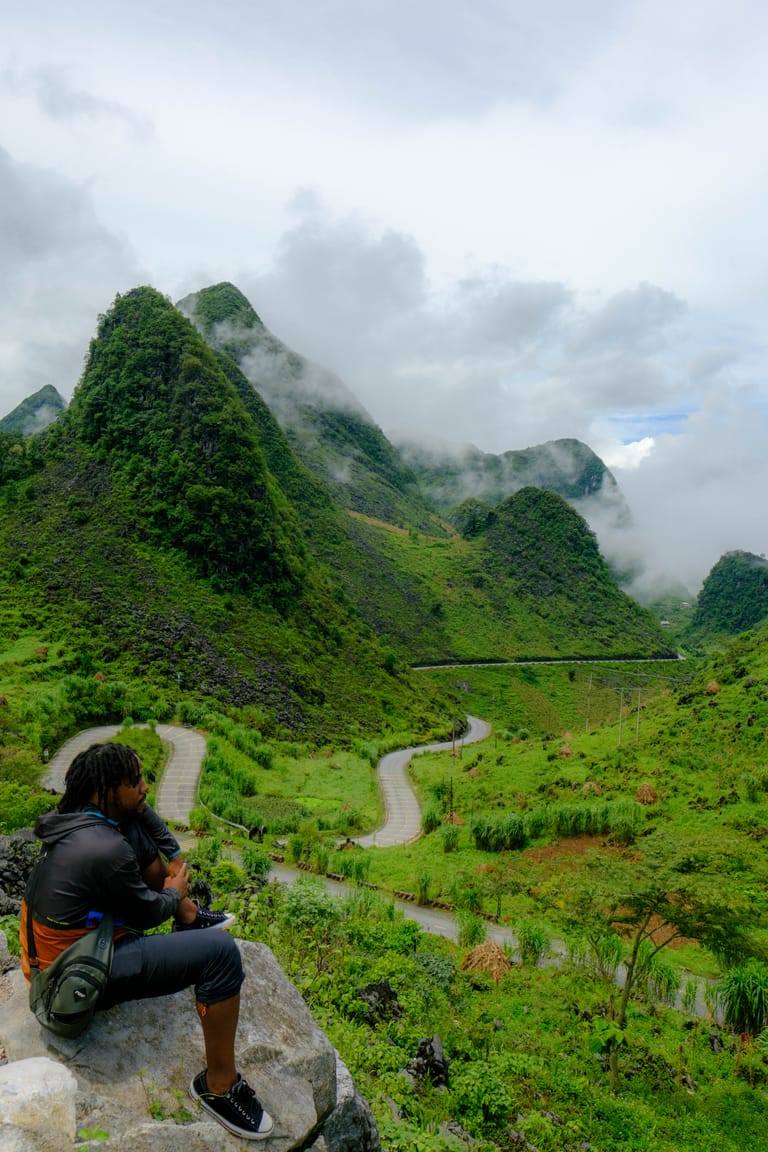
[(733, 597), (325, 424), (34, 413), (151, 540)]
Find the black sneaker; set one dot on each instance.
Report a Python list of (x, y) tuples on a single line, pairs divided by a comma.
[(238, 1110), (207, 919)]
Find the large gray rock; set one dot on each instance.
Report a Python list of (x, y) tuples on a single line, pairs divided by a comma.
[(37, 1107), (134, 1063)]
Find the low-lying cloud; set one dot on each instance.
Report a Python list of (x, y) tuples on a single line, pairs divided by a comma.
[(61, 268), (505, 363)]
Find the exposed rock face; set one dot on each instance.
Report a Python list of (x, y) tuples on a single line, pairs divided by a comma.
[(17, 855), (37, 1106), (132, 1067)]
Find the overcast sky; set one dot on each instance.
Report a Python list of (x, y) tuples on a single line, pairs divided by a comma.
[(498, 222)]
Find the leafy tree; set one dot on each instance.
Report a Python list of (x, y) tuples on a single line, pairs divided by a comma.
[(630, 908)]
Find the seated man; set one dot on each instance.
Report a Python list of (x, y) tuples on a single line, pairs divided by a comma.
[(89, 868)]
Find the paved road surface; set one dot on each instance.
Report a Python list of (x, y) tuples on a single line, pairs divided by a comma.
[(178, 786), (403, 813)]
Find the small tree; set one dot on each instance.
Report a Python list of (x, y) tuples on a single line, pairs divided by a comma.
[(674, 890)]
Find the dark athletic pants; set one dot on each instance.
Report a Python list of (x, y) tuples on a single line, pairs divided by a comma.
[(147, 966)]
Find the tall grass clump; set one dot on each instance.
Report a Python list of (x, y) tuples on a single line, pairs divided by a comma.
[(450, 838), (621, 819), (430, 819), (742, 995), (500, 833), (472, 928), (533, 941)]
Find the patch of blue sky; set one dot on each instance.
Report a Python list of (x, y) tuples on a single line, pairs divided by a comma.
[(633, 426)]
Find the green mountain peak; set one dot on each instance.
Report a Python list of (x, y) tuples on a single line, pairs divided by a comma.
[(35, 412), (154, 402)]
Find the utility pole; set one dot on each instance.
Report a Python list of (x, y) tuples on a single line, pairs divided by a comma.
[(637, 722), (621, 710)]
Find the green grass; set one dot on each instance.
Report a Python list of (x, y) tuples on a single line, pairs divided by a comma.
[(520, 1052)]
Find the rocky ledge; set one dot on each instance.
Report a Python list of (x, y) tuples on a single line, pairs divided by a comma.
[(123, 1083)]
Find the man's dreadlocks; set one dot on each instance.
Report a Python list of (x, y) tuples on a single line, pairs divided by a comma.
[(101, 769)]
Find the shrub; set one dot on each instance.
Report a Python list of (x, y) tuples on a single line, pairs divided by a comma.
[(20, 807), (481, 1099), (207, 852), (10, 926), (200, 820), (226, 876), (256, 862), (439, 971), (309, 908)]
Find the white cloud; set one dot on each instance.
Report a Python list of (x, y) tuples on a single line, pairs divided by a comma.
[(625, 456), (495, 222), (60, 269)]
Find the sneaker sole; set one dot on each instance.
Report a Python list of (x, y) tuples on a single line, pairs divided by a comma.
[(242, 1133), (230, 920)]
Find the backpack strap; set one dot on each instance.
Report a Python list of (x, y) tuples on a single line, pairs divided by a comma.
[(31, 890)]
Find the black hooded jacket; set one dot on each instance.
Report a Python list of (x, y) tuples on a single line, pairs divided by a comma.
[(90, 866)]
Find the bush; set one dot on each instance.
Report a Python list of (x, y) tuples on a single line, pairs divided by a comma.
[(10, 926), (226, 876), (481, 1100), (20, 807), (256, 862), (200, 820), (309, 908)]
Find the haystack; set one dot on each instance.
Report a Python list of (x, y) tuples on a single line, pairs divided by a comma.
[(487, 957)]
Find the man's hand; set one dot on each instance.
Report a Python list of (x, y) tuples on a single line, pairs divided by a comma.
[(175, 864), (179, 881)]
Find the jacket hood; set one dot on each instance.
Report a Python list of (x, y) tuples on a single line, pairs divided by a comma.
[(54, 826)]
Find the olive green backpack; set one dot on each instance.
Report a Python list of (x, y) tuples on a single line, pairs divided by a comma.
[(65, 995)]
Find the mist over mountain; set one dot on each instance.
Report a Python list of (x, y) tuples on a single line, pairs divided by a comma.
[(168, 449), (35, 412), (325, 424), (451, 474)]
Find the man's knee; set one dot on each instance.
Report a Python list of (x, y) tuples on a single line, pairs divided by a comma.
[(223, 973)]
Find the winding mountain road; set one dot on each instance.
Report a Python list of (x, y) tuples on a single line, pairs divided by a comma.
[(177, 791), (403, 812), (178, 787)]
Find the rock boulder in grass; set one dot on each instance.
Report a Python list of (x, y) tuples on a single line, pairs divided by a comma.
[(133, 1067)]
